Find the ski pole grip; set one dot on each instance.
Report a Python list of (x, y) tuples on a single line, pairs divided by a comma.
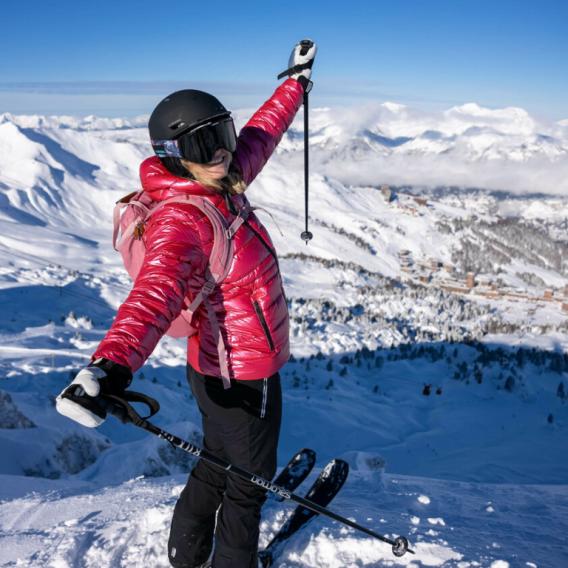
[(306, 45)]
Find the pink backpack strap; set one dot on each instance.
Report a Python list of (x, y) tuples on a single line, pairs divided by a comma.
[(219, 265), (243, 215)]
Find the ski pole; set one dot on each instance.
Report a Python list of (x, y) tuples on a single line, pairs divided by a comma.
[(306, 235), (121, 409), (306, 45)]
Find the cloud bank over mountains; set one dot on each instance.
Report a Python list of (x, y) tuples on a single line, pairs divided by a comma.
[(464, 146), (376, 143)]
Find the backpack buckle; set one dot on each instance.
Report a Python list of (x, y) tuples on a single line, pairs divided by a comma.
[(208, 287)]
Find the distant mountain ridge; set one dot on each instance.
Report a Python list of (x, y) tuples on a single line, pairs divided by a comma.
[(62, 175), (469, 145)]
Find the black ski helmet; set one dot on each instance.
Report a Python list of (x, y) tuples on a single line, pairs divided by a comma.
[(179, 112)]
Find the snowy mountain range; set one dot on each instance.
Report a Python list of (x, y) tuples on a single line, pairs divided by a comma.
[(466, 146), (428, 332)]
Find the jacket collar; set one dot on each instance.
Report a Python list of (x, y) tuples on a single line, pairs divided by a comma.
[(161, 184)]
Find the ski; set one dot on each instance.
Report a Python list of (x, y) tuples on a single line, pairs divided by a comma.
[(323, 490), (295, 471)]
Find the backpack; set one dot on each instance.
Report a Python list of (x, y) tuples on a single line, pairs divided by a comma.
[(133, 211)]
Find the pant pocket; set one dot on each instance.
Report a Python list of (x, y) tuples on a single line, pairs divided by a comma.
[(261, 398)]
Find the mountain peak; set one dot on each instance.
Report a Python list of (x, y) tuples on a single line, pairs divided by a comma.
[(393, 107)]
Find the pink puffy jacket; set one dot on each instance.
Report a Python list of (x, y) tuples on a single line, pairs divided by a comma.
[(250, 303)]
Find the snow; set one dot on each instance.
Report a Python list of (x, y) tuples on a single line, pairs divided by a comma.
[(124, 525), (468, 471)]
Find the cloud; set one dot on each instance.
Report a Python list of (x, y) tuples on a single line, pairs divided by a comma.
[(368, 143), (464, 146), (537, 175)]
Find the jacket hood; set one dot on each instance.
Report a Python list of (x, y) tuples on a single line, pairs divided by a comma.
[(160, 183)]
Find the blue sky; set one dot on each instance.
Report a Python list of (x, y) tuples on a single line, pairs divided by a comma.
[(120, 58)]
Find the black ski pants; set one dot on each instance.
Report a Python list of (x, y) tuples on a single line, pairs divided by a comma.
[(240, 425)]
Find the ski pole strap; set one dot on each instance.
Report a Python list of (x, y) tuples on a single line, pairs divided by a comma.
[(120, 407), (296, 69)]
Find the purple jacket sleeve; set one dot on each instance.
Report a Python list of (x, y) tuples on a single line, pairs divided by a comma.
[(262, 133)]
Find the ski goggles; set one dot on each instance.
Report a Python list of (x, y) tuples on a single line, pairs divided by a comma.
[(200, 144)]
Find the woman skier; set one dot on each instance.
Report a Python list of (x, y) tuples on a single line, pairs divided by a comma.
[(242, 333)]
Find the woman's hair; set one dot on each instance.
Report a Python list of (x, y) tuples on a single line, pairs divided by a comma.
[(232, 182), (174, 166)]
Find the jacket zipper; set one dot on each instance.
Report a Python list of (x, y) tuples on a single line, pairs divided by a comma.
[(272, 252), (234, 211), (231, 207), (263, 323), (266, 245)]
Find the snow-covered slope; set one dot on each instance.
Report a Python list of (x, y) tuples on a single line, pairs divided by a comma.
[(462, 395)]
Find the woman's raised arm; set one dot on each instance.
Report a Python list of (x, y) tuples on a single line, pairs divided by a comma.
[(262, 133)]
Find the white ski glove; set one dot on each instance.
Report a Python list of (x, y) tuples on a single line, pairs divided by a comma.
[(80, 400), (303, 56)]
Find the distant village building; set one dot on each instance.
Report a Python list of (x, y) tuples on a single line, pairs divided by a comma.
[(421, 201), (434, 265), (405, 259), (518, 295), (455, 287), (427, 271)]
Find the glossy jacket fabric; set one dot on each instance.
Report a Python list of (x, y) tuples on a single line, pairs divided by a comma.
[(250, 303)]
